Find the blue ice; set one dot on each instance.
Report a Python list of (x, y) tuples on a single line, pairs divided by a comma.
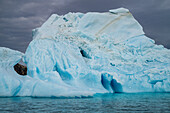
[(79, 54)]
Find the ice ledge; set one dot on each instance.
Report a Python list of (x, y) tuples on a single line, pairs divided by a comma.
[(119, 10), (9, 57)]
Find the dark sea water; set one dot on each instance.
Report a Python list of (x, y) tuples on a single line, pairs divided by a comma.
[(101, 103)]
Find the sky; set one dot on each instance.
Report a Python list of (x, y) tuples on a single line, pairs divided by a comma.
[(19, 17)]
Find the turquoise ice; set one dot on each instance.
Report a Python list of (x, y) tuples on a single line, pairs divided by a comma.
[(81, 54)]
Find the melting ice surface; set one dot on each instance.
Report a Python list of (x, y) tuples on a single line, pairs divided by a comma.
[(83, 54)]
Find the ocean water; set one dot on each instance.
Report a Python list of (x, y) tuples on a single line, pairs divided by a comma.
[(101, 103)]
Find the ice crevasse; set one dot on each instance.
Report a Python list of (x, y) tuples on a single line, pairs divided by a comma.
[(81, 54)]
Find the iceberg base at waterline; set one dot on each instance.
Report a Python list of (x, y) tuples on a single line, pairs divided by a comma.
[(79, 55)]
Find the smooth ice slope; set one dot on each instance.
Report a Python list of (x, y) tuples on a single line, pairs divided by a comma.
[(82, 54)]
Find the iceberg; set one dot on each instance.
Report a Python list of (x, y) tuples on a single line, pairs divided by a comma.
[(77, 55)]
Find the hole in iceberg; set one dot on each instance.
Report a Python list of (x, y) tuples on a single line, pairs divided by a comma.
[(110, 84), (117, 87), (84, 54), (65, 76), (65, 19), (112, 64), (149, 61), (105, 80)]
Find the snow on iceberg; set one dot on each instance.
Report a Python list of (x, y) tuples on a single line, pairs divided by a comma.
[(82, 54)]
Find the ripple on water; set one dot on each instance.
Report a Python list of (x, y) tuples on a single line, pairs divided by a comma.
[(121, 102)]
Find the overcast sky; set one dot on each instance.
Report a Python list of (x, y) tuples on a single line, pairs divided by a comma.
[(19, 17)]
